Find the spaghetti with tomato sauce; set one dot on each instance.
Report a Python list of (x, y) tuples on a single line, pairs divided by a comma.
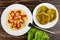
[(16, 19)]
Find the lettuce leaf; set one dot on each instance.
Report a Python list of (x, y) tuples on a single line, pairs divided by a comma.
[(35, 34)]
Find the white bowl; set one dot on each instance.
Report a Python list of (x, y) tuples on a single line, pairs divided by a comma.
[(3, 19), (50, 24)]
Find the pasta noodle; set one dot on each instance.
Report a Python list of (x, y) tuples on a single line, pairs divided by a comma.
[(16, 19)]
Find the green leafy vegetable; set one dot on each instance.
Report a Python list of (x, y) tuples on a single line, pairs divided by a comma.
[(35, 34)]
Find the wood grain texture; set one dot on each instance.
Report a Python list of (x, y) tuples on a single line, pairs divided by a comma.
[(31, 4)]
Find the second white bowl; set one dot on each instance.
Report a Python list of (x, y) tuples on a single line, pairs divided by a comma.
[(50, 24)]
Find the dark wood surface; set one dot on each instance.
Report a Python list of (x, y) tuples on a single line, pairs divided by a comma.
[(31, 4)]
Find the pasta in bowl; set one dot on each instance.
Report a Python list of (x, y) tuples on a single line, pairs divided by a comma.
[(15, 19)]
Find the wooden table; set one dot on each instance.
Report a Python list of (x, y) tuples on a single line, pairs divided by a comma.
[(31, 5)]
